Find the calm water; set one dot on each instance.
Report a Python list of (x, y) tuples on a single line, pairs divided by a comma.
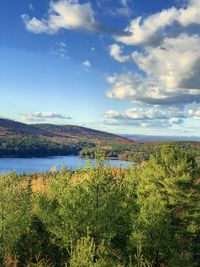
[(31, 165)]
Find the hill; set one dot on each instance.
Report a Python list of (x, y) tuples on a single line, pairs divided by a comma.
[(10, 127), (78, 133), (20, 139), (63, 133)]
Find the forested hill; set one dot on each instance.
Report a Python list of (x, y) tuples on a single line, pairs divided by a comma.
[(78, 133), (20, 139), (67, 133)]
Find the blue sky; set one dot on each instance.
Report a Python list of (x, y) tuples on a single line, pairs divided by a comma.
[(124, 66)]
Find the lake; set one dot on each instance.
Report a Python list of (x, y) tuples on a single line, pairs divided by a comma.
[(31, 165)]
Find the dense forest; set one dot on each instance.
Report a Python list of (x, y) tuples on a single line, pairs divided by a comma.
[(30, 146), (144, 216)]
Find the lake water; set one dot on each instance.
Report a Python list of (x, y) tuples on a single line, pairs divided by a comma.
[(31, 165)]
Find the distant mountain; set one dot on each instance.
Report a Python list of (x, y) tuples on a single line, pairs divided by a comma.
[(157, 138), (59, 133)]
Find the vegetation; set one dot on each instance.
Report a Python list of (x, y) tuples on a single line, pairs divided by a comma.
[(139, 152), (47, 139), (104, 217), (39, 147), (40, 140), (23, 140)]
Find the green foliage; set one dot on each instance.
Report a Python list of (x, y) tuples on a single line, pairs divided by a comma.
[(87, 254), (90, 199), (144, 216), (26, 146), (167, 198), (15, 212)]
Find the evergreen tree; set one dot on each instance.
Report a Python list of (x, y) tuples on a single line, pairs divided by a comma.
[(168, 220), (15, 212)]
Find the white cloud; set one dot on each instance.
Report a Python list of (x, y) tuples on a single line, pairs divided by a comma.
[(124, 86), (174, 62), (193, 110), (116, 52), (145, 30), (167, 90), (42, 116), (63, 14), (34, 25), (87, 63), (149, 116), (190, 14), (153, 112), (172, 74), (142, 30)]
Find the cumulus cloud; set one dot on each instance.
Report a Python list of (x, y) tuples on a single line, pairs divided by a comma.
[(175, 62), (63, 14), (143, 30), (73, 15), (42, 116), (171, 73), (146, 30), (34, 24), (166, 90), (116, 52), (190, 14)]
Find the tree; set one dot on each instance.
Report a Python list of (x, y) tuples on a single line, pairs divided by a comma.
[(15, 212), (88, 199), (167, 198), (87, 254)]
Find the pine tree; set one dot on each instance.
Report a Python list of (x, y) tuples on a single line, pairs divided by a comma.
[(15, 212), (169, 214)]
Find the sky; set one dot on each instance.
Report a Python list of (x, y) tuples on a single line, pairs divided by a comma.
[(122, 66)]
